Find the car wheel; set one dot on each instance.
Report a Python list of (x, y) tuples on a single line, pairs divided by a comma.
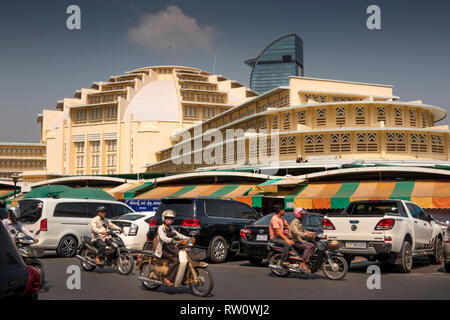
[(218, 249), (447, 267), (67, 247), (406, 258), (438, 255), (348, 259), (255, 261)]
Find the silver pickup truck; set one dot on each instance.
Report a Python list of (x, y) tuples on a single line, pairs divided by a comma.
[(393, 231)]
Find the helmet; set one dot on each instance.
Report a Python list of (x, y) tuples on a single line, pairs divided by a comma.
[(298, 212), (169, 213), (101, 209)]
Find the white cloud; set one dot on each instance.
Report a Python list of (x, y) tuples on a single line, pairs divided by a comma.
[(172, 27)]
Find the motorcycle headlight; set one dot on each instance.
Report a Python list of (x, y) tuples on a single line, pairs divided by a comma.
[(133, 230), (334, 245)]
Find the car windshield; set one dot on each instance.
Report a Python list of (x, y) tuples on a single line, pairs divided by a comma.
[(372, 209), (130, 217), (265, 221), (182, 207), (30, 211)]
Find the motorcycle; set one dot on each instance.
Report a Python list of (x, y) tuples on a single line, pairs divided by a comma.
[(29, 254), (324, 258), (116, 254), (194, 274)]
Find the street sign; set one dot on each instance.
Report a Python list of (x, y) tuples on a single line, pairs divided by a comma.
[(143, 205)]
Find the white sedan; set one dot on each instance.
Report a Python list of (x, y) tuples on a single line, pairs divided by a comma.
[(135, 226)]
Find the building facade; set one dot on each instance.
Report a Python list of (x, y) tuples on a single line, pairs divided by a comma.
[(273, 66), (117, 126), (20, 158), (316, 121)]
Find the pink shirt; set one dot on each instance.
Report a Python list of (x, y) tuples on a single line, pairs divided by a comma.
[(276, 223)]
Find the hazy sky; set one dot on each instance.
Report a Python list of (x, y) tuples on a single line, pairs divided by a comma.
[(42, 61)]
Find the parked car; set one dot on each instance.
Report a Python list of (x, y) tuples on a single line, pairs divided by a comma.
[(135, 226), (63, 221), (447, 250), (254, 237), (17, 280), (393, 231), (214, 222)]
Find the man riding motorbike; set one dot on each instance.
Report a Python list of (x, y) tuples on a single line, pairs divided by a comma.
[(277, 237), (298, 234), (14, 226), (99, 233), (166, 248)]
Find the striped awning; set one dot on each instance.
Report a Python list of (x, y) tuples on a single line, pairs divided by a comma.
[(190, 191), (240, 192), (130, 190), (337, 195)]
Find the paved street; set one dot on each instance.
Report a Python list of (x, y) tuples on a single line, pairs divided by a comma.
[(237, 279)]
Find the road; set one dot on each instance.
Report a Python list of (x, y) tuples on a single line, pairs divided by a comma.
[(238, 280)]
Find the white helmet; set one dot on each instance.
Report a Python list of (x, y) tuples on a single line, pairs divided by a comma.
[(169, 213)]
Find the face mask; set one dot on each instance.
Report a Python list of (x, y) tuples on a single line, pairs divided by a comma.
[(168, 221)]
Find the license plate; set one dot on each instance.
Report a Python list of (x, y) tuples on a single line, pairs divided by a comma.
[(261, 237), (356, 245)]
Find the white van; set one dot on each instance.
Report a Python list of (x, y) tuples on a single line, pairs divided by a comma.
[(62, 222)]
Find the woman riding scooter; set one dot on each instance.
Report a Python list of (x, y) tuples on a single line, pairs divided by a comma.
[(166, 248), (298, 234)]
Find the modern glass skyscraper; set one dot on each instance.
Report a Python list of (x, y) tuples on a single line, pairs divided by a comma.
[(279, 60)]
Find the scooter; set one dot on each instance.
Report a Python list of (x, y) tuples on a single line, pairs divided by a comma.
[(324, 258), (29, 254), (193, 274), (116, 254)]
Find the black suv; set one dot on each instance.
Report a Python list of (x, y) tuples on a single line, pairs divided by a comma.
[(214, 222)]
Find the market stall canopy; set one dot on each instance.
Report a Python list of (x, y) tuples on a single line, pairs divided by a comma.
[(275, 185), (48, 191), (337, 195), (86, 193), (240, 192), (130, 190)]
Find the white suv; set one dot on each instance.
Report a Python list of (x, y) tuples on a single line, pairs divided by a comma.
[(62, 222)]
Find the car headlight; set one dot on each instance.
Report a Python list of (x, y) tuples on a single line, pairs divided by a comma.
[(133, 230)]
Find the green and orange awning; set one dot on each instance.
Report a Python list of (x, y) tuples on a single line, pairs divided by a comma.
[(337, 195), (240, 192)]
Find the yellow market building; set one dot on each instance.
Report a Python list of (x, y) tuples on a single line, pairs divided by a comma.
[(317, 121), (118, 126)]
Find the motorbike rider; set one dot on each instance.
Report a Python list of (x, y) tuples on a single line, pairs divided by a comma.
[(100, 237), (277, 237), (14, 226), (166, 248), (298, 234)]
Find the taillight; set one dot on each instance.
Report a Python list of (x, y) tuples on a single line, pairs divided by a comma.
[(43, 225), (285, 232), (327, 225), (34, 281), (244, 232), (447, 239), (152, 222), (190, 223), (385, 224)]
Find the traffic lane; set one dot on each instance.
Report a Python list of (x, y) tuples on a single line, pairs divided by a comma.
[(238, 280), (425, 282)]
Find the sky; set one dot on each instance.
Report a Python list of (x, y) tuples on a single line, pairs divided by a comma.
[(42, 61)]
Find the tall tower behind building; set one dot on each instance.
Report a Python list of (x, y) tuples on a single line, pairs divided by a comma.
[(279, 60)]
